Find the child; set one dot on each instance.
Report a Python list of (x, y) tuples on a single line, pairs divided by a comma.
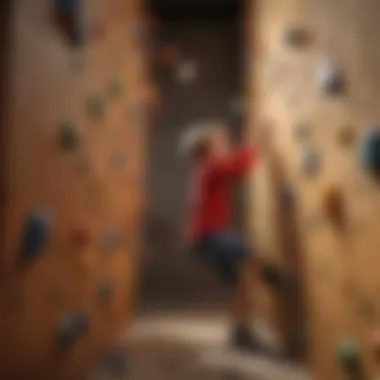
[(215, 167)]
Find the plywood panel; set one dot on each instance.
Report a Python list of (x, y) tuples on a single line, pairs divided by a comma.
[(83, 190), (339, 270)]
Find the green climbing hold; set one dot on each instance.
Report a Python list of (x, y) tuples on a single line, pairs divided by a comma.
[(96, 106), (115, 87), (68, 136), (348, 353)]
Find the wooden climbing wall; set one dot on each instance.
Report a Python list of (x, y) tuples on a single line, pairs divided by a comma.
[(76, 136), (337, 266)]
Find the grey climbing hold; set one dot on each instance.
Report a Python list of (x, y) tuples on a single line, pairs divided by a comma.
[(36, 232), (301, 131), (106, 290), (71, 328), (111, 239), (186, 72), (237, 105), (115, 87), (96, 106), (369, 153), (118, 159), (140, 32), (68, 136), (296, 36), (116, 361), (330, 77), (310, 162), (286, 196)]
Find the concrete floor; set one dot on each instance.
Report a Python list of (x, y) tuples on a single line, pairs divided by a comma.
[(184, 346)]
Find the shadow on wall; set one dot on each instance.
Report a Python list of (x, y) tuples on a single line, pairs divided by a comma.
[(170, 274)]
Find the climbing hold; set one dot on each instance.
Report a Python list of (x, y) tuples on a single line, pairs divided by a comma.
[(333, 204), (330, 78), (286, 196), (96, 106), (366, 307), (106, 290), (111, 239), (35, 235), (99, 31), (274, 276), (115, 87), (140, 32), (301, 130), (81, 237), (70, 328), (168, 56), (370, 150), (67, 14), (116, 361), (348, 354), (118, 159), (346, 135), (297, 36), (186, 72), (375, 344), (237, 106), (310, 161), (67, 5), (68, 136)]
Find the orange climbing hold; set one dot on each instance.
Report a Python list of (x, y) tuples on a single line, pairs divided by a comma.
[(81, 237), (333, 204)]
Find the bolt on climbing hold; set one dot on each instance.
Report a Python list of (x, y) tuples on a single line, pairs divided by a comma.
[(333, 204), (71, 328), (330, 78), (81, 237), (115, 87), (116, 361), (310, 162), (348, 354), (301, 130), (169, 55), (186, 72), (274, 276), (68, 136), (34, 238), (296, 36), (106, 290), (346, 135), (375, 344), (366, 307), (369, 153), (286, 196), (96, 106), (111, 239), (237, 105), (118, 159)]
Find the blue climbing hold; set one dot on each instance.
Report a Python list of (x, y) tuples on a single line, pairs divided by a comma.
[(67, 5), (370, 150), (36, 232), (70, 328)]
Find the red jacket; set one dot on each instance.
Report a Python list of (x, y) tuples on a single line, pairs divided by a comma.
[(210, 207)]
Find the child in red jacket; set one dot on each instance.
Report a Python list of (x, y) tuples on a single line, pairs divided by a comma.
[(215, 167)]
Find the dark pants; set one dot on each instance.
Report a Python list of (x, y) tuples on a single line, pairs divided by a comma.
[(224, 252)]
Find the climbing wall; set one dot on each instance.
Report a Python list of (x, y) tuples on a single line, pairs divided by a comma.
[(80, 106), (313, 71)]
